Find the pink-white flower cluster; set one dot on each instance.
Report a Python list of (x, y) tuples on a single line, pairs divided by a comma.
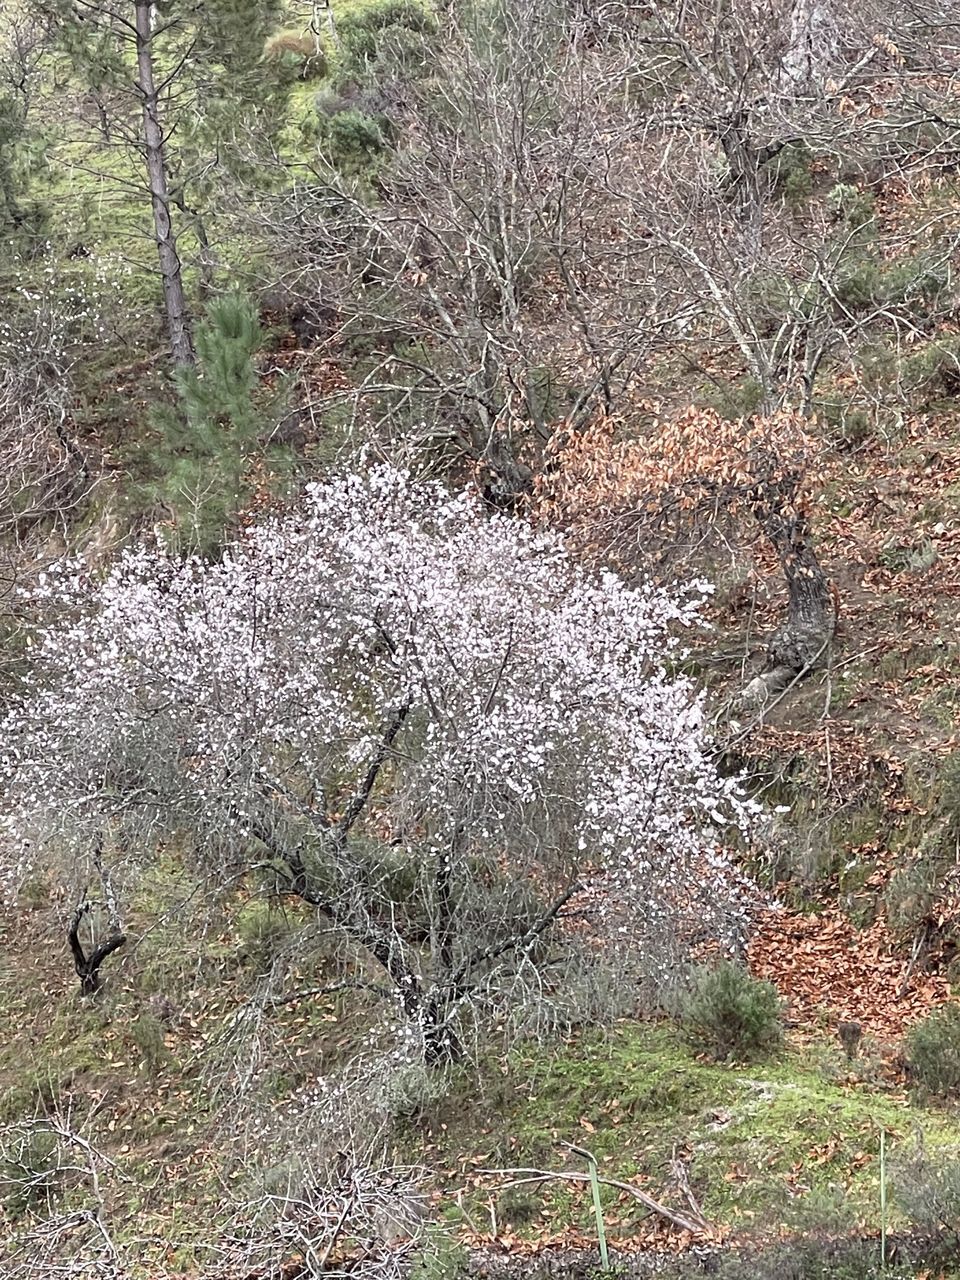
[(534, 721)]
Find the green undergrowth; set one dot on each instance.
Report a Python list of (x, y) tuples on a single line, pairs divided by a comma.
[(781, 1144), (765, 1146), (148, 1071), (145, 1072)]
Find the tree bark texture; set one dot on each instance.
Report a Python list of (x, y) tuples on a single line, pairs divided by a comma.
[(800, 645), (171, 274)]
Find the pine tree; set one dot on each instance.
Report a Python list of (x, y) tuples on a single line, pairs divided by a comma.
[(218, 429), (195, 99)]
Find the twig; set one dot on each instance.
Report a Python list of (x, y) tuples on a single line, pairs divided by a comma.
[(679, 1170), (883, 1198), (335, 1233), (517, 1177), (463, 1209), (276, 1002), (855, 656), (918, 941)]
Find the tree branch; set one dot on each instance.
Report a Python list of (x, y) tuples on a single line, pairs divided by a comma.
[(360, 798)]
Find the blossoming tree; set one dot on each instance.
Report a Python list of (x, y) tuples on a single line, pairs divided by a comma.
[(391, 678)]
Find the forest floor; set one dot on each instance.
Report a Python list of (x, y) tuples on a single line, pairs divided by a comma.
[(757, 1153), (764, 1153)]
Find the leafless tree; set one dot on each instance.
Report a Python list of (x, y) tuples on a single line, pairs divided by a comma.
[(87, 962), (116, 47), (723, 97), (574, 200), (44, 472), (492, 276)]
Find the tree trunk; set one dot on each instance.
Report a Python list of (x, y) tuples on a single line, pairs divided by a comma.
[(88, 966), (441, 1045), (505, 480), (811, 46), (102, 118), (799, 646), (743, 181), (800, 643), (174, 299)]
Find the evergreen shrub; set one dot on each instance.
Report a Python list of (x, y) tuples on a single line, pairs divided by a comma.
[(219, 430), (727, 1013), (933, 1050)]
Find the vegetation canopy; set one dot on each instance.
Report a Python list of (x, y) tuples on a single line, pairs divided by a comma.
[(392, 674), (403, 872)]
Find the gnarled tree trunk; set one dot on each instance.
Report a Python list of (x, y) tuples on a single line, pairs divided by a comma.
[(88, 966), (800, 645)]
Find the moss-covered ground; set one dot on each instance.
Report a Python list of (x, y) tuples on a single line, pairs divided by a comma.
[(782, 1146), (789, 1143)]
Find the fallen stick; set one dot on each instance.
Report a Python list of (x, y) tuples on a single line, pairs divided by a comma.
[(679, 1170), (517, 1177)]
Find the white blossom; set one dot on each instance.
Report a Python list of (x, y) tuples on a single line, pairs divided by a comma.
[(539, 727)]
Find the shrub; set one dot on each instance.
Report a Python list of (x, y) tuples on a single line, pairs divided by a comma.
[(913, 283), (923, 891), (847, 425), (926, 1185), (812, 1257), (949, 805), (823, 1211), (935, 369), (860, 283), (879, 367), (911, 894), (792, 174), (352, 140), (735, 400), (147, 1033), (907, 557), (404, 54), (517, 1206), (263, 931), (216, 450), (847, 203), (361, 27), (440, 1256), (728, 1013), (933, 1050), (35, 892)]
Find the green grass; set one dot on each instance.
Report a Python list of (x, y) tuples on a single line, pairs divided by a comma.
[(764, 1144), (783, 1143)]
